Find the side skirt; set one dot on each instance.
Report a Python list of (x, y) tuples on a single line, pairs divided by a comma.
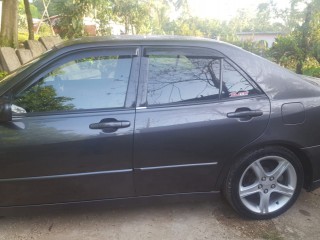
[(107, 203)]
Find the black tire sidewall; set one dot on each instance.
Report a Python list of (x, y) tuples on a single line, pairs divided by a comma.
[(240, 167)]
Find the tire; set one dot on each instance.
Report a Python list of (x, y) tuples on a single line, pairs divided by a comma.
[(264, 183)]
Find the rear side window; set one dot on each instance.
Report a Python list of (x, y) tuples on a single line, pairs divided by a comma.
[(181, 78), (192, 75), (234, 84)]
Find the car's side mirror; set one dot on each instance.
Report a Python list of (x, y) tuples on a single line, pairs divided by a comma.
[(17, 110), (5, 112)]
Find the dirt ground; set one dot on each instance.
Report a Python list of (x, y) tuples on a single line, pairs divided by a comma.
[(179, 220)]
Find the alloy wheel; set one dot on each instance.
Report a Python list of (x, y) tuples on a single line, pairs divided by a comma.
[(267, 184)]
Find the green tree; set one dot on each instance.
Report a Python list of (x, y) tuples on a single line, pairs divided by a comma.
[(102, 12), (72, 14), (315, 31), (42, 98), (242, 22), (159, 18), (285, 51), (195, 26), (34, 11), (302, 44), (262, 20), (132, 13), (52, 7)]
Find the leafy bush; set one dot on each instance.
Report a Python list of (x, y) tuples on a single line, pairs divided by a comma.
[(3, 74), (312, 71), (45, 30), (23, 36), (259, 48)]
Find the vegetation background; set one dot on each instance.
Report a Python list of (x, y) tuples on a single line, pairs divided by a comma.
[(298, 47)]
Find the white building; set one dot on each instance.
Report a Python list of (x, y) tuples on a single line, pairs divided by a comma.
[(268, 37)]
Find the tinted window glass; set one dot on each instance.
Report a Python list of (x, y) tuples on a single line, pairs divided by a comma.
[(87, 83), (181, 78), (234, 84)]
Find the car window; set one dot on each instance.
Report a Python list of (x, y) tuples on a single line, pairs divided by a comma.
[(234, 84), (180, 78), (83, 83)]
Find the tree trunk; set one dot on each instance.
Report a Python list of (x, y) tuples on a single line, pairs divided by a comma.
[(29, 19), (9, 24), (299, 67), (304, 42), (126, 26)]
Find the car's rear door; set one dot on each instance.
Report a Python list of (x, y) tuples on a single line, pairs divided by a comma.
[(188, 122), (75, 140)]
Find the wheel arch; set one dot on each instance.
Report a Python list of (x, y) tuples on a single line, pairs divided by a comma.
[(301, 155)]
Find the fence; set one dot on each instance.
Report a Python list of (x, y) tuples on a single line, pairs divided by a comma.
[(11, 59)]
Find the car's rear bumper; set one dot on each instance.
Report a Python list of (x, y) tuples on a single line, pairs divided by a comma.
[(312, 179)]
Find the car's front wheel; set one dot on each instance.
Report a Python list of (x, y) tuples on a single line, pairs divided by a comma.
[(264, 183)]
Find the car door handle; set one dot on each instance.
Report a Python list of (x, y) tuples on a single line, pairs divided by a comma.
[(115, 124), (245, 114)]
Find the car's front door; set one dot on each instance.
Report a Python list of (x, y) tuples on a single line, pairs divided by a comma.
[(196, 110), (72, 131)]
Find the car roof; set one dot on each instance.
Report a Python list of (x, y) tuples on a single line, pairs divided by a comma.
[(127, 40), (131, 39)]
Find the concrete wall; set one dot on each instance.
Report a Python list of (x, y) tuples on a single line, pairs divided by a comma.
[(11, 59), (270, 38)]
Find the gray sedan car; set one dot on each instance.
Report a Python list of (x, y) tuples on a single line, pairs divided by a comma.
[(103, 119)]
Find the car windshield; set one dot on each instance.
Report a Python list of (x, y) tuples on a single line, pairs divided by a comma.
[(6, 79)]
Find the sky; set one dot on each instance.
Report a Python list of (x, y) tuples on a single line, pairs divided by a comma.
[(226, 9)]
